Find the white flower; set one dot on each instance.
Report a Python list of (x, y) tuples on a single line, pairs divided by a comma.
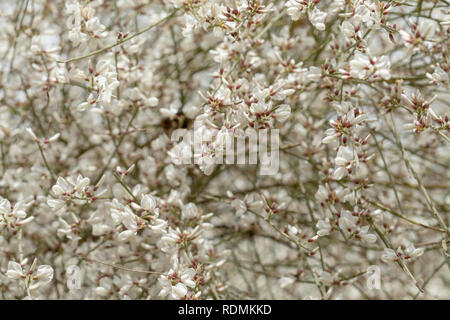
[(326, 278), (239, 206), (365, 236), (282, 112), (61, 187), (56, 204), (423, 31), (363, 66), (179, 291), (158, 225), (152, 101), (15, 270), (348, 29), (190, 25), (324, 227), (347, 222), (32, 134), (322, 194), (166, 286), (363, 13), (343, 161), (148, 202), (294, 9), (254, 202), (34, 279), (439, 76), (96, 28), (412, 252), (190, 211), (81, 183), (115, 84), (181, 153), (330, 138), (101, 291), (389, 255), (286, 281), (44, 274), (14, 215), (125, 235)]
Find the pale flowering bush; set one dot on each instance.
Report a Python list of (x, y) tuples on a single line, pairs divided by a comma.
[(98, 200)]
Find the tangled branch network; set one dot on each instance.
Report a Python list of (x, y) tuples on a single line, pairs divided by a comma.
[(135, 137)]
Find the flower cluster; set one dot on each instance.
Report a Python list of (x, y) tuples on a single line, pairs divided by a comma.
[(115, 122)]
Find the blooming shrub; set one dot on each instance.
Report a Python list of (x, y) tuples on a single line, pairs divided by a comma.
[(98, 200)]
